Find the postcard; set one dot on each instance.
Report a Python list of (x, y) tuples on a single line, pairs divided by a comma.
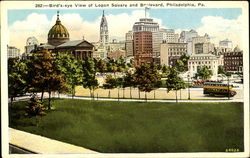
[(125, 78)]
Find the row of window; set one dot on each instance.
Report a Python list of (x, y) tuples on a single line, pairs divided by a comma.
[(176, 53), (199, 58), (58, 35), (180, 49), (233, 63)]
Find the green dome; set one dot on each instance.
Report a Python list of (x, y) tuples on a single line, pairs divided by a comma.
[(58, 30)]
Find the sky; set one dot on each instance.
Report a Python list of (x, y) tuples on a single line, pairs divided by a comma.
[(219, 23)]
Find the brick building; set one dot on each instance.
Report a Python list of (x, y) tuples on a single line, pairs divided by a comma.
[(233, 61), (143, 47)]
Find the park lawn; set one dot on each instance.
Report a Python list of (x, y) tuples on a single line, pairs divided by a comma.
[(133, 127)]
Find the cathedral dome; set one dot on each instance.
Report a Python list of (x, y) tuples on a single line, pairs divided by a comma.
[(58, 34)]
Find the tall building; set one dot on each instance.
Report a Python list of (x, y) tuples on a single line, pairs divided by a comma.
[(13, 52), (148, 25), (104, 32), (58, 34), (102, 45), (171, 52), (129, 44), (186, 37), (226, 45), (143, 47), (202, 44), (163, 36)]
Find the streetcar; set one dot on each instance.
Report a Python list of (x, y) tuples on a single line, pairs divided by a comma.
[(216, 88)]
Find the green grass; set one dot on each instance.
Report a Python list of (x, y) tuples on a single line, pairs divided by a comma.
[(133, 127)]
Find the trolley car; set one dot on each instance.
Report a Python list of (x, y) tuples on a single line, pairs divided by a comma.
[(215, 88)]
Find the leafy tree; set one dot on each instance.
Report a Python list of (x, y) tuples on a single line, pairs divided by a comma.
[(204, 73), (47, 77), (165, 69), (221, 70), (71, 70), (17, 78), (129, 81), (174, 82), (110, 83), (101, 66), (159, 67), (89, 77), (35, 108), (180, 65), (147, 78)]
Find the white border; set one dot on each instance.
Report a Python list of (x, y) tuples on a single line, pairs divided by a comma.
[(5, 5)]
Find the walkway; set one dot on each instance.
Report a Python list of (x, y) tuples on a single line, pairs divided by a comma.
[(218, 100), (42, 145)]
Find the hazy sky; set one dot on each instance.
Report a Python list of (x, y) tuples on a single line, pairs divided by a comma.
[(219, 23)]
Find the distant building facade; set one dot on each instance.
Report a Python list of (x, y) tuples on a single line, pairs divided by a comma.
[(116, 45), (129, 44), (163, 35), (13, 52), (171, 52), (31, 44), (198, 60), (226, 45), (186, 37), (202, 44), (233, 61)]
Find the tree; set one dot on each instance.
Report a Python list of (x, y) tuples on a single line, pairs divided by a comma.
[(129, 81), (180, 65), (47, 77), (119, 83), (17, 78), (110, 83), (101, 66), (71, 70), (147, 78), (204, 73), (221, 70), (184, 58), (89, 75), (165, 69), (174, 82)]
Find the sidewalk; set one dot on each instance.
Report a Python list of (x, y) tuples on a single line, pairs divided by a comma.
[(43, 145)]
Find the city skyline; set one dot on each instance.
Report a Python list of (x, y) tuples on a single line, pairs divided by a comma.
[(220, 23)]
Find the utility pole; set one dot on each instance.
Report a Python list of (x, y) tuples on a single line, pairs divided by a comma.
[(228, 87), (188, 87)]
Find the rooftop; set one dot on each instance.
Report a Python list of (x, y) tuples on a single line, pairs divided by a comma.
[(71, 43)]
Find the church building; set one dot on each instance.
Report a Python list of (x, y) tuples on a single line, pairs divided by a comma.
[(59, 41)]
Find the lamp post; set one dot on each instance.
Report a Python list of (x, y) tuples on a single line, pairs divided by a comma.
[(228, 88), (188, 87)]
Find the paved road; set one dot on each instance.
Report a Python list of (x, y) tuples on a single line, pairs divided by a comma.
[(159, 94)]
